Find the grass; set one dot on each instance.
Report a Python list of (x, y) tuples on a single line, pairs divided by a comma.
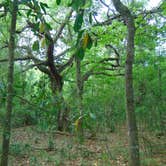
[(32, 148)]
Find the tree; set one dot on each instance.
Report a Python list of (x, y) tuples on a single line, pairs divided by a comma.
[(49, 66), (7, 123), (131, 118)]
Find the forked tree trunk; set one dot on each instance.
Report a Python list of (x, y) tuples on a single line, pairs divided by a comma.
[(7, 123), (131, 117)]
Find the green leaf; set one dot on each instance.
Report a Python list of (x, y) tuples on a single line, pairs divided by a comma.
[(163, 7), (35, 46), (90, 42), (29, 12), (36, 26), (43, 6), (75, 4), (90, 18), (95, 42), (69, 3), (92, 115), (80, 33), (24, 2), (87, 41), (48, 27), (86, 4), (47, 41), (79, 4), (43, 42), (80, 53), (58, 2), (19, 13), (41, 27), (78, 21)]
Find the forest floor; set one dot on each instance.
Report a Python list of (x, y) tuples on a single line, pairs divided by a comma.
[(30, 147)]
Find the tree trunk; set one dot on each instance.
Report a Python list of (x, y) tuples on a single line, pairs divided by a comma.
[(79, 81), (7, 123), (63, 113), (59, 103), (57, 85), (132, 126), (131, 117), (161, 113)]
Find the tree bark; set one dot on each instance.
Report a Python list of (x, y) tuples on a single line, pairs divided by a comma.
[(131, 117), (60, 105), (7, 123), (79, 81), (63, 113), (161, 113)]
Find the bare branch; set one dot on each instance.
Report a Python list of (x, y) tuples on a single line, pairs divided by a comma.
[(68, 63), (108, 8), (108, 59), (107, 74), (22, 30), (92, 72), (17, 59), (118, 16), (59, 32), (115, 51), (86, 76), (109, 20), (62, 53)]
